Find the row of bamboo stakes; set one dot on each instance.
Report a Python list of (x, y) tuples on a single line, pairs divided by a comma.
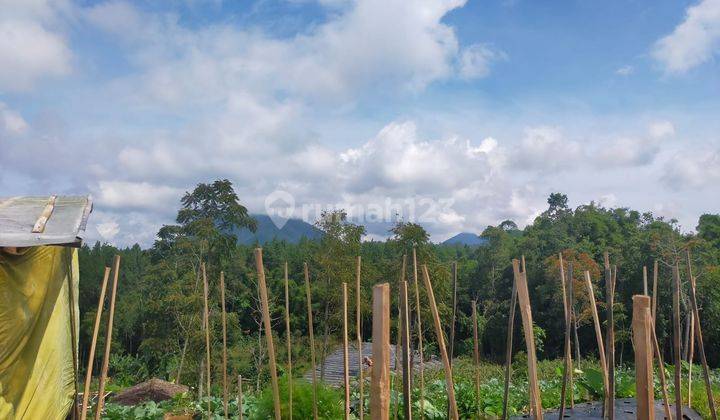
[(645, 340)]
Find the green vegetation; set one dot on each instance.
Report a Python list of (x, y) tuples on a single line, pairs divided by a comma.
[(158, 315)]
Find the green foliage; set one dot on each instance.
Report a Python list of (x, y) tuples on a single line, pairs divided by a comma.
[(330, 401)]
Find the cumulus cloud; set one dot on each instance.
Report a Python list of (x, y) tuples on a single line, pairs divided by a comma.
[(697, 170), (11, 122), (626, 70), (625, 151), (692, 42), (545, 149), (475, 60)]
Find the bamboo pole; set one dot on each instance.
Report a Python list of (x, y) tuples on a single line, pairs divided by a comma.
[(661, 368), (240, 398), (676, 341), (108, 339), (655, 292), (206, 324), (224, 327), (476, 356), (91, 355), (645, 281), (598, 335), (346, 360), (289, 342), (699, 337), (508, 348), (420, 335), (380, 378), (567, 371), (398, 367), (642, 331), (358, 330), (610, 336), (441, 345), (312, 339), (406, 370), (573, 327), (526, 314), (454, 312), (268, 330), (691, 350)]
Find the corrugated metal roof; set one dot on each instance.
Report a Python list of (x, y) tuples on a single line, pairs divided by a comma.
[(21, 216)]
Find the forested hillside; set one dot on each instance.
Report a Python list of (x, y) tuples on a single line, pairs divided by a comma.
[(159, 306)]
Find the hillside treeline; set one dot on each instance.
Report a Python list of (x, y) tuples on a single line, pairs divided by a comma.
[(159, 305)]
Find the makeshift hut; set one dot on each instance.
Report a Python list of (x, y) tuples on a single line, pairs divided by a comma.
[(39, 277)]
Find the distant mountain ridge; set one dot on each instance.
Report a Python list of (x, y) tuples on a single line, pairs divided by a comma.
[(293, 231), (466, 238)]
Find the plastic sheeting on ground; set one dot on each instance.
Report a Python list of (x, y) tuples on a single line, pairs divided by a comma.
[(37, 379)]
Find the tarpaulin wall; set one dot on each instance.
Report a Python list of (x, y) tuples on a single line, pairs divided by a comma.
[(37, 378)]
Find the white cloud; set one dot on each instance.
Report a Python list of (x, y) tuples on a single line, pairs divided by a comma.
[(626, 70), (138, 196), (475, 60), (108, 230), (693, 170), (544, 149), (11, 122), (692, 42), (661, 129)]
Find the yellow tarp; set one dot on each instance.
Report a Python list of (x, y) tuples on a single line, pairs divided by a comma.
[(36, 342)]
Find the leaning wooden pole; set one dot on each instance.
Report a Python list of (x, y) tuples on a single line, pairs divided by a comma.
[(288, 336), (346, 359), (240, 398), (655, 292), (645, 281), (642, 338), (441, 345), (380, 378), (108, 339), (508, 348), (610, 336), (206, 326), (224, 330), (598, 336), (661, 371), (691, 351), (699, 337), (476, 356), (91, 355), (676, 341), (358, 330), (526, 314), (268, 331), (405, 343), (419, 334), (312, 339), (567, 370), (454, 311)]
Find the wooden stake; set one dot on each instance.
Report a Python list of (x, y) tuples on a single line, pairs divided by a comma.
[(420, 335), (699, 337), (398, 340), (476, 356), (206, 324), (526, 314), (508, 348), (346, 360), (661, 367), (454, 312), (642, 333), (289, 342), (358, 330), (91, 355), (610, 336), (567, 371), (645, 281), (380, 378), (598, 334), (224, 329), (268, 330), (406, 370), (108, 339), (240, 398), (676, 341), (312, 339), (441, 345), (691, 350), (655, 292)]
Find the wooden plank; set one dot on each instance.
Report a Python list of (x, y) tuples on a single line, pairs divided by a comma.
[(42, 220), (380, 378), (567, 369), (240, 398), (476, 357), (268, 331), (676, 341), (288, 338), (405, 335), (526, 314), (308, 295), (699, 338), (598, 333), (508, 348), (108, 339), (642, 334), (206, 326), (655, 292), (441, 345), (346, 360), (418, 322), (91, 355), (358, 330), (661, 370), (610, 336), (224, 330)]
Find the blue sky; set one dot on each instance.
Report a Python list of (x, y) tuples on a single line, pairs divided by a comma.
[(467, 112)]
